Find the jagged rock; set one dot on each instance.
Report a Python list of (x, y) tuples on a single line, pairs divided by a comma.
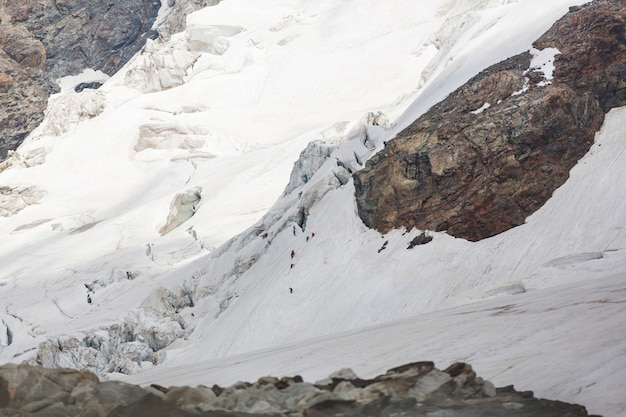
[(420, 239), (89, 85), (20, 45), (32, 388), (43, 40), (493, 152), (150, 405), (416, 389), (187, 397), (24, 90)]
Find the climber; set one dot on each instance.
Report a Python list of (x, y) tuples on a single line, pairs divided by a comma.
[(293, 253), (290, 290), (312, 234), (88, 299)]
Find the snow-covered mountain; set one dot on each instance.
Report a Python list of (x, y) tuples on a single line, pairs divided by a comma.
[(194, 220)]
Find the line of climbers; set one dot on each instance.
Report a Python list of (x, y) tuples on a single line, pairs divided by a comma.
[(293, 253)]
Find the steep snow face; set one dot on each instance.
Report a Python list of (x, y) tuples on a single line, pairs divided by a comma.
[(204, 130), (344, 276), (224, 107)]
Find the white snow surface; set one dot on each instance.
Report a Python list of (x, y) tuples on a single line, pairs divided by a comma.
[(204, 130), (481, 109), (543, 61)]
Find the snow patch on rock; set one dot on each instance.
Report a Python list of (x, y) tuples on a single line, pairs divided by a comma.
[(481, 109), (543, 62), (88, 75)]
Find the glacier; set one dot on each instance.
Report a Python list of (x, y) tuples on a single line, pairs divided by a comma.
[(259, 113)]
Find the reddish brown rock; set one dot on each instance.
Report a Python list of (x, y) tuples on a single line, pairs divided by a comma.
[(22, 47), (477, 174)]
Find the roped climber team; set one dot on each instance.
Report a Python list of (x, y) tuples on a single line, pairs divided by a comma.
[(293, 253)]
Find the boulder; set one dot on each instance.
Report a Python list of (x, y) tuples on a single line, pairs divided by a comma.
[(493, 152), (415, 389)]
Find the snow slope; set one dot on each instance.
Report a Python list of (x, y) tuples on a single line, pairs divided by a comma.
[(209, 125), (500, 338)]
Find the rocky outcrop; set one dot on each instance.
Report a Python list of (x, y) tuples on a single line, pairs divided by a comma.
[(24, 88), (493, 152), (416, 389), (42, 40), (76, 34)]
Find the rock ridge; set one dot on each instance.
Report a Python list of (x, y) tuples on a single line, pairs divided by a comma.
[(493, 152), (415, 389)]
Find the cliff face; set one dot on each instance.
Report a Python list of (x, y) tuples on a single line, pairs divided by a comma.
[(42, 40), (493, 152), (76, 34), (24, 87)]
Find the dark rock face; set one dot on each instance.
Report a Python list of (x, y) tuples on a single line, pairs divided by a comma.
[(24, 88), (101, 34), (416, 389), (42, 40), (476, 170)]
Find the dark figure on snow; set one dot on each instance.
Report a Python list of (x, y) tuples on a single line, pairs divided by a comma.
[(88, 299), (293, 253), (290, 290)]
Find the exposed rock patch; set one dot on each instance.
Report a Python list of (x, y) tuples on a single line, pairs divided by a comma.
[(416, 389), (76, 35), (43, 40), (24, 87), (493, 152), (420, 239)]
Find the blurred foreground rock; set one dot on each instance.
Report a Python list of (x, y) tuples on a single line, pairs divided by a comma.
[(416, 389), (493, 152)]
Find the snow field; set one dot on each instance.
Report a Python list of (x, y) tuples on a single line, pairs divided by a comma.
[(245, 89)]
